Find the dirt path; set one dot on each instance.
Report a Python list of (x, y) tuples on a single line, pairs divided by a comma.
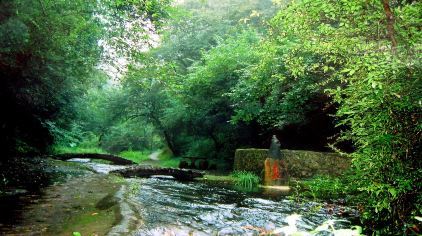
[(154, 156)]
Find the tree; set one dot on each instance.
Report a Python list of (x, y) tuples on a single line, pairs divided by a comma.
[(196, 27), (368, 54), (46, 51), (206, 90), (187, 67), (147, 90), (49, 51)]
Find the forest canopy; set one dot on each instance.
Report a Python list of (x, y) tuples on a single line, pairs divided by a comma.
[(203, 78)]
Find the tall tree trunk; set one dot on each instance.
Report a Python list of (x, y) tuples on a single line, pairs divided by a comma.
[(170, 143), (390, 23), (167, 136)]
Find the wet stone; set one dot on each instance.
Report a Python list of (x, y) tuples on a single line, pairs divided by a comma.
[(106, 203)]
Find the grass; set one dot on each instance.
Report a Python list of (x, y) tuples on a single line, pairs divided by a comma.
[(136, 156), (165, 154), (165, 159), (245, 179), (63, 149), (225, 179), (170, 162), (323, 187)]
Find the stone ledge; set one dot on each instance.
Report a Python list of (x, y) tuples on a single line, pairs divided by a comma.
[(301, 164)]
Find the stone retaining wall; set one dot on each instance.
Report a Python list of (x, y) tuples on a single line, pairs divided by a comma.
[(301, 164)]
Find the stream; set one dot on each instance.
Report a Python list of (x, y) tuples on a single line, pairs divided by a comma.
[(170, 207), (163, 206)]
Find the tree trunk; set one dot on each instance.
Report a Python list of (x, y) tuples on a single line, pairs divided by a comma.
[(390, 23), (167, 136), (170, 143)]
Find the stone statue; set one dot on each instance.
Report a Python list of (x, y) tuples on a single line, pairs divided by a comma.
[(274, 150), (275, 166)]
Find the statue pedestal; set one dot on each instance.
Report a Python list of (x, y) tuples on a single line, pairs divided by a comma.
[(275, 172)]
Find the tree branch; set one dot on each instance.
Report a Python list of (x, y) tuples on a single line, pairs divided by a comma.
[(390, 23)]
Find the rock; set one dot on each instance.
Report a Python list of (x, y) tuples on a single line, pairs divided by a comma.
[(183, 165), (115, 159), (270, 226), (227, 231), (106, 203), (301, 164), (148, 171), (12, 192), (203, 164)]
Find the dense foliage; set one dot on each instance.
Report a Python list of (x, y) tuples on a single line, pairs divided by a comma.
[(49, 53), (202, 78), (47, 50), (370, 65)]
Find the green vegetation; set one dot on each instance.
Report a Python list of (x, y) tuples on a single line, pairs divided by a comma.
[(136, 156), (170, 162), (373, 76), (61, 149), (245, 179), (324, 187), (229, 179), (204, 78)]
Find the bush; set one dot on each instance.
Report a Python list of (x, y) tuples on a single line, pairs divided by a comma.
[(324, 187), (246, 180), (201, 147)]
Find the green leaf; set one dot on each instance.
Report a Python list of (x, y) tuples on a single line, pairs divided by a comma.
[(393, 192)]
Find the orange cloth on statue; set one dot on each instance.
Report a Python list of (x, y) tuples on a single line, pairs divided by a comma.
[(276, 170), (267, 165)]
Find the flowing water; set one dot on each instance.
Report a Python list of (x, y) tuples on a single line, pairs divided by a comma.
[(169, 207), (163, 206)]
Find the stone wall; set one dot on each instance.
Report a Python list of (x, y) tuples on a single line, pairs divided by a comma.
[(301, 164)]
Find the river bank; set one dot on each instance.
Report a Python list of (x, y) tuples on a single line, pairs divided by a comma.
[(53, 197), (91, 203)]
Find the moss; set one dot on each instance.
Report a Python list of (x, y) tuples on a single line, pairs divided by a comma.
[(251, 160), (219, 178), (92, 222), (107, 202), (83, 204), (301, 164), (88, 207)]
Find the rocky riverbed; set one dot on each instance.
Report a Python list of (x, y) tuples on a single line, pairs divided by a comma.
[(87, 200)]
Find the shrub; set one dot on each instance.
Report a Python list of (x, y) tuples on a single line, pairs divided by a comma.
[(201, 147), (246, 180), (324, 187)]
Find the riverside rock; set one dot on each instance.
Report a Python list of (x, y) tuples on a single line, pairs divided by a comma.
[(148, 171)]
